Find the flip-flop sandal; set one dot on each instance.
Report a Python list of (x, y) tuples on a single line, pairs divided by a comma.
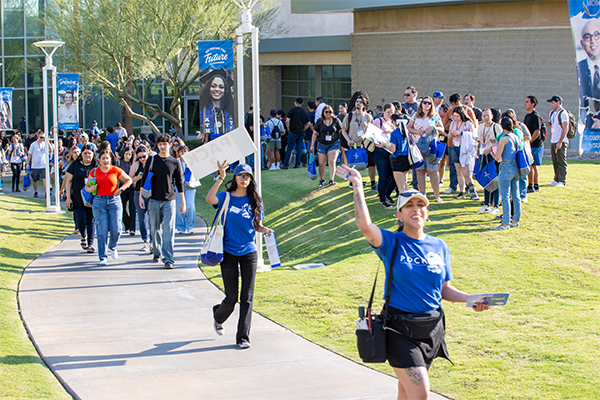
[(84, 243)]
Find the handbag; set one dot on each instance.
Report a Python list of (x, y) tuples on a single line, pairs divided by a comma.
[(415, 159), (146, 190), (357, 157), (87, 197), (370, 328), (27, 181), (438, 148), (189, 181), (311, 172), (212, 249)]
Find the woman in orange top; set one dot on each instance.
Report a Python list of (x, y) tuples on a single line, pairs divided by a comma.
[(107, 207)]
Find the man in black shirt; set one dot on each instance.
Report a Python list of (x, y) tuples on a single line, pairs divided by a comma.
[(297, 122), (166, 177), (535, 125)]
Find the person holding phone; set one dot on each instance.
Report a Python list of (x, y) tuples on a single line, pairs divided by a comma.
[(463, 163)]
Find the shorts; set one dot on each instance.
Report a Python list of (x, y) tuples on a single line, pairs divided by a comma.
[(537, 153), (431, 163), (274, 144), (326, 148), (400, 163), (370, 159), (38, 174), (455, 154)]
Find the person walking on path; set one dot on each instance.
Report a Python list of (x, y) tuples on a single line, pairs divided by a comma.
[(16, 151), (421, 279), (243, 220), (297, 122), (137, 172), (107, 207), (37, 162), (167, 176)]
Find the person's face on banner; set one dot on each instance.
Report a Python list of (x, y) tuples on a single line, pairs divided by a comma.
[(590, 40), (68, 99), (217, 88)]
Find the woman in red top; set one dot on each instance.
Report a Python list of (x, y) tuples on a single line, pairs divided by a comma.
[(107, 207)]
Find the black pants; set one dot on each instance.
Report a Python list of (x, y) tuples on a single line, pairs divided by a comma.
[(229, 272), (84, 221), (16, 173), (128, 200)]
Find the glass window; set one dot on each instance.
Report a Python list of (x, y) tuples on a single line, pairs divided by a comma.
[(32, 50), (14, 47), (306, 73), (289, 88), (13, 18), (92, 106), (34, 9), (14, 69), (193, 122), (155, 96), (18, 107), (287, 103), (336, 84), (289, 73), (327, 89), (327, 72), (34, 72), (342, 73), (113, 111), (35, 108)]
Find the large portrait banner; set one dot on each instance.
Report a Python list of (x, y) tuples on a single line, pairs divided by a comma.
[(68, 100), (6, 115)]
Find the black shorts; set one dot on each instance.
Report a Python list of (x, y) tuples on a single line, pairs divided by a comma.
[(38, 174), (400, 163), (370, 159)]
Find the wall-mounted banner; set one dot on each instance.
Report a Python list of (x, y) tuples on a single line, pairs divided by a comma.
[(216, 106), (6, 115), (585, 23), (68, 100)]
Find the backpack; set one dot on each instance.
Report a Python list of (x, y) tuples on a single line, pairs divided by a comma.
[(543, 131), (572, 124)]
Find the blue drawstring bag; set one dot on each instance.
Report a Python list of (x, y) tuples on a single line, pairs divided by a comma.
[(26, 181), (357, 158), (487, 176), (311, 172), (523, 163)]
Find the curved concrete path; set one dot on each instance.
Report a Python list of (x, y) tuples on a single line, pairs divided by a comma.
[(133, 330)]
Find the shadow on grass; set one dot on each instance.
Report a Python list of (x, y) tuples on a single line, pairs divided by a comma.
[(19, 360)]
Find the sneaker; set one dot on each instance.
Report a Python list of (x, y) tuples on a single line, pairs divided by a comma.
[(189, 232), (146, 247), (439, 200), (90, 249), (374, 186), (500, 228), (114, 254), (449, 191), (350, 186), (35, 194), (104, 261), (132, 233), (168, 265), (536, 187), (514, 224), (553, 183), (499, 216), (283, 167), (530, 189), (441, 183), (218, 327), (155, 259), (215, 177), (389, 200), (474, 196), (495, 211), (273, 168), (331, 183), (524, 200), (180, 232), (483, 209), (321, 183), (244, 344), (461, 196), (386, 205), (560, 184)]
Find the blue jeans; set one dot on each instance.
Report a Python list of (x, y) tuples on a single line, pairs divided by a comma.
[(142, 214), (162, 226), (298, 139), (386, 184), (108, 211), (452, 168), (491, 198), (508, 186), (523, 188), (185, 222)]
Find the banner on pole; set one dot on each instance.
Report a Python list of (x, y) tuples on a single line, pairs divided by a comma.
[(6, 115), (68, 100), (585, 24), (216, 106)]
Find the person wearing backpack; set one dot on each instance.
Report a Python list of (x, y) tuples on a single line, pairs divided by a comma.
[(534, 123), (560, 124), (276, 128)]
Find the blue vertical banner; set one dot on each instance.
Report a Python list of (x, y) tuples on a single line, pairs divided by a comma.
[(585, 24), (6, 114), (216, 104), (68, 101)]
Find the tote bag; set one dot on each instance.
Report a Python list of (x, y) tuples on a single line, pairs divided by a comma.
[(311, 172), (523, 163), (212, 250), (357, 158), (26, 181), (415, 159), (87, 197), (146, 190)]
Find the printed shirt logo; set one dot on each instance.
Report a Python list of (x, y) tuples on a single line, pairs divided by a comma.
[(244, 211), (433, 261)]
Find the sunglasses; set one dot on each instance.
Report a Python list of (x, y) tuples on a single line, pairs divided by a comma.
[(407, 94), (326, 112), (142, 157), (427, 102)]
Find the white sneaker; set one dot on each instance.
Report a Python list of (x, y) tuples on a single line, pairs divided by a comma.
[(495, 211), (189, 232), (146, 247), (273, 168), (483, 209), (560, 184), (525, 200), (215, 178), (104, 261), (114, 254), (449, 191), (553, 183)]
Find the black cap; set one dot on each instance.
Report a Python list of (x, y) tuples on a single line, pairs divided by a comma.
[(217, 72), (555, 98)]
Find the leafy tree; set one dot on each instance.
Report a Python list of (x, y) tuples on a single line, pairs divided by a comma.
[(114, 43)]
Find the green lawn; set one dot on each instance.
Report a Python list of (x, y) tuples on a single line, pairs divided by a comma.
[(23, 237), (545, 344)]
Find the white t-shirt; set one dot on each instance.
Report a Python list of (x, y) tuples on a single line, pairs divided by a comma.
[(68, 115), (556, 124), (37, 155), (13, 150), (122, 132)]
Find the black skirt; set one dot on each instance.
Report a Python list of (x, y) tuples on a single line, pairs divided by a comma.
[(415, 340)]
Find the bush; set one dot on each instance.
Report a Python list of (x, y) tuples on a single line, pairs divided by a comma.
[(192, 144)]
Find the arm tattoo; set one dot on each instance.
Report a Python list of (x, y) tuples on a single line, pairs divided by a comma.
[(415, 375)]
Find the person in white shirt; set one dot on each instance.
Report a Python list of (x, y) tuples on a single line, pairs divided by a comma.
[(37, 162), (559, 127), (320, 103), (67, 113), (119, 130)]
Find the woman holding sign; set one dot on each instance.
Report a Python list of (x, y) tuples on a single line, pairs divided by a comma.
[(421, 279), (243, 219)]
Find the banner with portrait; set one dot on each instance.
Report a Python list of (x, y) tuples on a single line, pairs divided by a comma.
[(68, 101), (6, 114), (216, 103), (585, 23)]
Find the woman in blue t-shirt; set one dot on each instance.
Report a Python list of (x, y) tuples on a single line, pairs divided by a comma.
[(243, 220), (421, 279)]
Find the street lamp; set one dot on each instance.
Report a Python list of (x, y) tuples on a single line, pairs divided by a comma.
[(49, 47)]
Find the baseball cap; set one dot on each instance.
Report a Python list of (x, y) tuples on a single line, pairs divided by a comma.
[(243, 169), (555, 98), (438, 94), (404, 197)]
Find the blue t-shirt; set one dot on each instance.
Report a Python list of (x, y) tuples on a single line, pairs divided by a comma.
[(239, 230), (401, 144), (113, 139), (420, 270)]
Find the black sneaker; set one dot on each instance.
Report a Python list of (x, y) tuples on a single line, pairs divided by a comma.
[(386, 205), (244, 344), (389, 200), (155, 259), (321, 183), (283, 167), (535, 188), (331, 183), (218, 327), (168, 265), (350, 185), (374, 186), (530, 189), (461, 196), (35, 194)]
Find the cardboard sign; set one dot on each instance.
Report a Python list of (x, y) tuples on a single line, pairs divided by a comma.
[(232, 146)]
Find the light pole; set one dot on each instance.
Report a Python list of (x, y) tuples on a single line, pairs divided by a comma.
[(247, 27), (49, 47)]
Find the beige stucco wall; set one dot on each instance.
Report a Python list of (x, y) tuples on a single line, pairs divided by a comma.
[(307, 58)]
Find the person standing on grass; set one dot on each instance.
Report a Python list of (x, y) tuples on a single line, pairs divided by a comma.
[(107, 207), (161, 207), (535, 125), (297, 123), (421, 279), (327, 133), (559, 127), (243, 220)]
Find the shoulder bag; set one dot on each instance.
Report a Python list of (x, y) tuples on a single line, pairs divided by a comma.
[(87, 197), (212, 249), (146, 190), (415, 159)]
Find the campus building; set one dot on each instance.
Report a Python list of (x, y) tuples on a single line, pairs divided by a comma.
[(498, 50)]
